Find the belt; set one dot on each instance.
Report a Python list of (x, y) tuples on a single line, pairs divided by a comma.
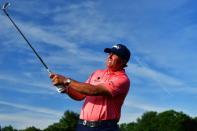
[(98, 123)]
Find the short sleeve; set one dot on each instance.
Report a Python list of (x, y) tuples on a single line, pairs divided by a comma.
[(118, 85), (93, 76), (89, 79)]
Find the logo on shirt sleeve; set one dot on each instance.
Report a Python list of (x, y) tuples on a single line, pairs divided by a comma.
[(97, 79)]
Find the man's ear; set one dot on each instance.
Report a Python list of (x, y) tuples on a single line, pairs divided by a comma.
[(124, 63)]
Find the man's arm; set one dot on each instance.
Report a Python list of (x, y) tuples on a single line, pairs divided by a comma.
[(78, 90), (60, 80), (88, 89), (74, 94)]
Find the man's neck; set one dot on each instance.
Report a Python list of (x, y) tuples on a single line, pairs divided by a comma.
[(110, 70)]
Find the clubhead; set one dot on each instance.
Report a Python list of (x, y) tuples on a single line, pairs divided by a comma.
[(5, 6)]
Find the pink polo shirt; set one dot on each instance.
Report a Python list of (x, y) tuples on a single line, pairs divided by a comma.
[(105, 107)]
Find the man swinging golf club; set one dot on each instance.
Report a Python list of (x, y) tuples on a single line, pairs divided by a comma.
[(104, 92)]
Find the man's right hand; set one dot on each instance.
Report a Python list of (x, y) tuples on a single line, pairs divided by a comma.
[(58, 81)]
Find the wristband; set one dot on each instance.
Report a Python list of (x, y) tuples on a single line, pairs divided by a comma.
[(67, 82)]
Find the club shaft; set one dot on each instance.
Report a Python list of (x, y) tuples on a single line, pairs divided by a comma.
[(38, 56)]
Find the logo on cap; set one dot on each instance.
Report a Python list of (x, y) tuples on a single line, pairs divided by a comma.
[(117, 47)]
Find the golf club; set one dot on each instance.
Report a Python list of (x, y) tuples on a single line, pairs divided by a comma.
[(4, 8)]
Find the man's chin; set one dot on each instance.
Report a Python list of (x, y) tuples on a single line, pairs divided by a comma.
[(109, 66)]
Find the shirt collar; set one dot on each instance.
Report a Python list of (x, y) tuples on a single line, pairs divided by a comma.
[(120, 72)]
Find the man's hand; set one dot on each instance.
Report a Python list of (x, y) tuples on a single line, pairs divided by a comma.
[(59, 82), (57, 79)]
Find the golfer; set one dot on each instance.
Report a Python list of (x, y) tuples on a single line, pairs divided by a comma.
[(104, 92)]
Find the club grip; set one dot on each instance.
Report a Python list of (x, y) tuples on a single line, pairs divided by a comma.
[(60, 88)]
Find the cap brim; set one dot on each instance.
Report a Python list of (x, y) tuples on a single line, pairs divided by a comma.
[(107, 50)]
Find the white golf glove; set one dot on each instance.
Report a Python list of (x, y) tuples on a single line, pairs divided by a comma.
[(60, 88)]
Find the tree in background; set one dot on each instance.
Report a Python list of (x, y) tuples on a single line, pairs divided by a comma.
[(8, 128), (174, 121), (148, 122), (164, 121), (67, 123), (195, 119), (31, 129), (128, 127)]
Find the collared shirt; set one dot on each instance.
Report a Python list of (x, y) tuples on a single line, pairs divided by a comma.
[(105, 107)]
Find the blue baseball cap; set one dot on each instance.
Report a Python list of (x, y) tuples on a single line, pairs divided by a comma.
[(120, 50)]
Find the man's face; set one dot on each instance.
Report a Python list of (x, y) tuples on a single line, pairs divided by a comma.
[(114, 62)]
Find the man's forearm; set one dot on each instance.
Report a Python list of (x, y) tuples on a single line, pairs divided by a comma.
[(88, 89), (74, 94)]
